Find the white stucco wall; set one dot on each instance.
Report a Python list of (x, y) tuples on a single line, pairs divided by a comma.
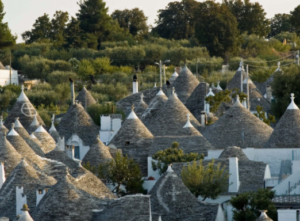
[(75, 140), (287, 215), (5, 78), (270, 156), (21, 199)]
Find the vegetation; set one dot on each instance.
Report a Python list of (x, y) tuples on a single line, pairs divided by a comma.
[(205, 181), (171, 155), (122, 171), (247, 205), (6, 37), (261, 114)]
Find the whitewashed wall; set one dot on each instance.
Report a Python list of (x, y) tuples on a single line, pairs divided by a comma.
[(5, 78)]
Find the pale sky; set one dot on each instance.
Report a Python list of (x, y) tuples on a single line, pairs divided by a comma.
[(21, 14)]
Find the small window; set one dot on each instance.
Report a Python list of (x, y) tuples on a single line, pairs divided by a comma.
[(46, 190), (127, 143), (40, 191)]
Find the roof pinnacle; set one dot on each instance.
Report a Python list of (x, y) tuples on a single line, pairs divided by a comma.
[(292, 105), (170, 170), (188, 123), (132, 114)]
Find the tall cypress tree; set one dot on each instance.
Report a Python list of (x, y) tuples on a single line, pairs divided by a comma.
[(94, 19), (6, 37)]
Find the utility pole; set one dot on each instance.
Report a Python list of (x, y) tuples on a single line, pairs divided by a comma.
[(160, 78), (248, 92), (197, 68), (164, 72)]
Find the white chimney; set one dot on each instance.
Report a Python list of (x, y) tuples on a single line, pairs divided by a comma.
[(2, 174), (135, 85), (234, 180), (39, 195), (203, 118), (269, 93), (21, 199), (72, 91)]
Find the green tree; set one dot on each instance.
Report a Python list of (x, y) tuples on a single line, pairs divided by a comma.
[(171, 155), (251, 17), (74, 34), (41, 30), (133, 20), (58, 26), (123, 171), (205, 181), (102, 65), (177, 20), (95, 20), (261, 114), (285, 83), (280, 23), (85, 69), (6, 37), (295, 19), (247, 205), (216, 28)]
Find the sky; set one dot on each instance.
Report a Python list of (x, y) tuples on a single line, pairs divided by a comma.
[(21, 14)]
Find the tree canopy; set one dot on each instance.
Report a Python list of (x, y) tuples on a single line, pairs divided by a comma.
[(251, 17), (247, 205), (295, 19), (216, 28), (280, 23), (205, 181), (171, 155), (177, 20), (6, 37), (133, 20)]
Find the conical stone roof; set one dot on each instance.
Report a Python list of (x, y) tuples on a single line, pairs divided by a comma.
[(33, 125), (85, 98), (287, 131), (173, 77), (156, 103), (188, 129), (98, 154), (236, 80), (24, 110), (132, 131), (53, 132), (36, 147), (171, 117), (8, 155), (45, 138), (185, 84), (24, 149), (238, 127), (65, 201), (62, 157), (24, 175), (233, 152), (3, 129), (195, 103), (78, 121), (141, 107), (172, 200)]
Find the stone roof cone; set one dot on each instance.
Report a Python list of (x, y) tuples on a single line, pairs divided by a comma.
[(24, 110), (3, 129), (97, 154), (24, 149), (24, 175), (25, 216), (85, 98), (173, 77), (132, 130), (236, 80), (52, 131), (238, 127), (171, 117), (77, 202), (233, 151), (45, 138), (141, 107), (8, 155), (185, 84), (263, 216), (195, 103), (188, 129), (34, 124), (62, 157), (286, 133), (170, 198), (37, 147), (78, 121), (156, 103)]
